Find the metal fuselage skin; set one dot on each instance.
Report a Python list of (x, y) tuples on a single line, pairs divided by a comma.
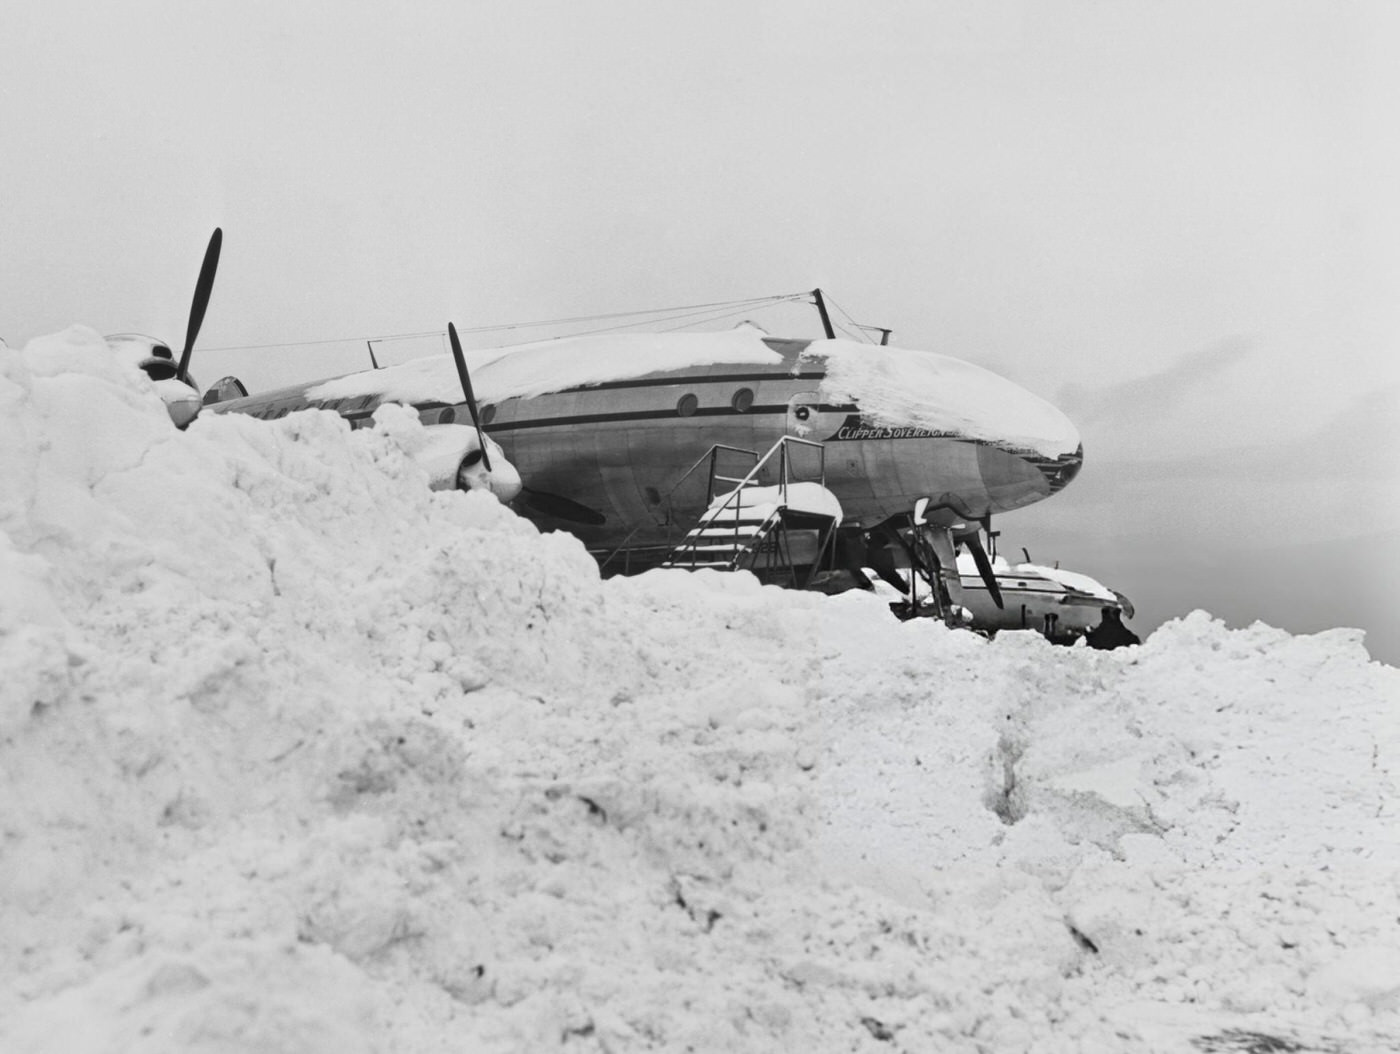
[(1031, 602), (622, 450)]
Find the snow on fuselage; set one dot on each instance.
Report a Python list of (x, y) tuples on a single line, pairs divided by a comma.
[(615, 424)]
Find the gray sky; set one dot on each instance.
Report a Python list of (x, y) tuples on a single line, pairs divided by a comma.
[(1180, 222)]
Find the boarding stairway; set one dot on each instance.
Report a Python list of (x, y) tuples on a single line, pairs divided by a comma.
[(774, 530)]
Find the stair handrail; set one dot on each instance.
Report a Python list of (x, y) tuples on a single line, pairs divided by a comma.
[(712, 456), (622, 545), (712, 515)]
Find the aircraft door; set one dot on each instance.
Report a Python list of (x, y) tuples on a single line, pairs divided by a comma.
[(809, 420)]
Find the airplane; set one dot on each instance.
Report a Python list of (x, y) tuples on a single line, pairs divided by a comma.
[(607, 436), (1061, 605), (652, 448)]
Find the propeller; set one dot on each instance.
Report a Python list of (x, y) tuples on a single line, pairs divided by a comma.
[(466, 379), (539, 501), (202, 291), (968, 535), (880, 556), (973, 541), (559, 507)]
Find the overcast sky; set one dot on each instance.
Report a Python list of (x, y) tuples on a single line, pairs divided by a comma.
[(1179, 222)]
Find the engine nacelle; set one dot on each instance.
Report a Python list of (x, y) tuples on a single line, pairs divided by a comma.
[(453, 460), (157, 361)]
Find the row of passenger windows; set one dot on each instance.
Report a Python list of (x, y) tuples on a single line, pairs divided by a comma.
[(272, 411), (686, 406), (740, 403), (347, 405), (448, 415)]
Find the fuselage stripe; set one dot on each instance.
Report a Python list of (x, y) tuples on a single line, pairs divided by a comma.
[(651, 415), (300, 402)]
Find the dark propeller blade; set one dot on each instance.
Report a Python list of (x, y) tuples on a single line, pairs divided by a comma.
[(880, 543), (973, 542), (467, 391), (559, 507), (202, 290)]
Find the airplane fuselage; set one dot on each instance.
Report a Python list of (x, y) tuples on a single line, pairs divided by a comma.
[(625, 461), (622, 448)]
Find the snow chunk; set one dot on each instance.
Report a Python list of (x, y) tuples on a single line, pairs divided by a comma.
[(1369, 975), (439, 450)]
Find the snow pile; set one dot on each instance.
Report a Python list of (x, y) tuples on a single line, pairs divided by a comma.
[(299, 755)]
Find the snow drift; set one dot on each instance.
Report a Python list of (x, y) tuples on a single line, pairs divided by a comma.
[(299, 755)]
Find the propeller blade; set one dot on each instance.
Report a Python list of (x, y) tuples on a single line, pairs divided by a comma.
[(973, 542), (558, 507), (202, 291), (880, 557), (466, 379)]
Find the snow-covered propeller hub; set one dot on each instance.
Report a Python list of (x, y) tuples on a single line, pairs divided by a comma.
[(154, 357)]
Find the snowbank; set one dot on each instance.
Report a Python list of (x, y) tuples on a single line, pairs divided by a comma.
[(299, 755)]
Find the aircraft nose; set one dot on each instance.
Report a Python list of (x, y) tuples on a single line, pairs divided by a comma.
[(1016, 478), (1026, 448), (1042, 438), (1058, 472)]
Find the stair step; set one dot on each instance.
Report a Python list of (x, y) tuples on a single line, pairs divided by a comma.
[(729, 521), (740, 526), (742, 536)]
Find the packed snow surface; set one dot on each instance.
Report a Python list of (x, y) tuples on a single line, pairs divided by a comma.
[(297, 754), (755, 501), (898, 388)]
